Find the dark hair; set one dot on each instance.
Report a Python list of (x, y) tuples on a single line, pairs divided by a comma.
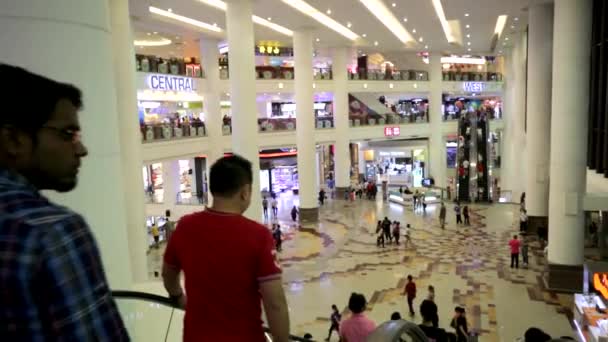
[(308, 336), (536, 335), (38, 112), (395, 316), (409, 277), (334, 306), (229, 174), (356, 303), (428, 311)]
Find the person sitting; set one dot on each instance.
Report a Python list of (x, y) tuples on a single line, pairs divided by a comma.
[(357, 327)]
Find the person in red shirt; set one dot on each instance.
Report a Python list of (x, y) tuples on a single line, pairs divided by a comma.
[(410, 292), (229, 264), (514, 244)]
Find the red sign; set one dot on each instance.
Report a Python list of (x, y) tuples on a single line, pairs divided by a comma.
[(392, 131)]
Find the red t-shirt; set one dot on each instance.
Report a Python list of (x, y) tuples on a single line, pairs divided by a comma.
[(410, 289), (224, 258), (514, 244)]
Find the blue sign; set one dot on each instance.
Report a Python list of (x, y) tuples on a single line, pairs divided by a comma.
[(473, 87), (171, 83)]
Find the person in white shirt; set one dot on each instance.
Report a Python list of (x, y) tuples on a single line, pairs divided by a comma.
[(275, 206), (523, 221)]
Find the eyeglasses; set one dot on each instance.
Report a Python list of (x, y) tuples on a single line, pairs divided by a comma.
[(72, 135)]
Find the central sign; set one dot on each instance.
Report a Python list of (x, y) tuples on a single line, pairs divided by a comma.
[(171, 83), (473, 87), (392, 131)]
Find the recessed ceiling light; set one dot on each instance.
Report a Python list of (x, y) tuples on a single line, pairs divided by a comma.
[(169, 10), (468, 26), (348, 24), (149, 34), (364, 35), (414, 31), (469, 35), (516, 18), (420, 39), (153, 42), (405, 20), (328, 11), (426, 46), (507, 38), (318, 40), (394, 4), (466, 14), (269, 19), (376, 43), (512, 26), (155, 32), (468, 43), (215, 24), (469, 49)]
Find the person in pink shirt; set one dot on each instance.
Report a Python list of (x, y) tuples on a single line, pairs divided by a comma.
[(514, 244), (357, 327)]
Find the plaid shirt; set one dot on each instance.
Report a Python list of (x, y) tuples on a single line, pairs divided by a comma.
[(52, 282)]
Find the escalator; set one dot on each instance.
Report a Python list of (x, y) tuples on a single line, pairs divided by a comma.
[(483, 160), (463, 156)]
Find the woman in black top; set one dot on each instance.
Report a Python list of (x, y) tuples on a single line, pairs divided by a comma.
[(459, 322)]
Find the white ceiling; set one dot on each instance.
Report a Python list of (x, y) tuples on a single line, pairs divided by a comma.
[(420, 16)]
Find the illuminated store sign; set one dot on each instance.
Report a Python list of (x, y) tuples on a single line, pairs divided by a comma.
[(392, 131), (600, 283), (171, 83), (473, 87)]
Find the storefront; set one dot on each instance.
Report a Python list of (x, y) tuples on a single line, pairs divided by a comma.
[(399, 166), (590, 309), (154, 182), (453, 107), (279, 171)]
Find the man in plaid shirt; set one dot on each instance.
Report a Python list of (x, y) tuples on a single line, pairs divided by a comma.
[(52, 282)]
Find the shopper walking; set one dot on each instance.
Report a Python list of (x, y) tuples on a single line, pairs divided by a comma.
[(265, 207), (357, 327), (396, 232), (155, 234), (321, 196), (408, 237), (275, 206), (51, 274), (242, 273), (294, 213), (459, 323), (386, 229), (458, 214), (524, 252), (523, 221), (465, 213), (514, 244), (278, 237), (442, 215), (410, 293), (335, 319)]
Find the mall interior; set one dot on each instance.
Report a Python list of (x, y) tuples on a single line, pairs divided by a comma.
[(483, 103)]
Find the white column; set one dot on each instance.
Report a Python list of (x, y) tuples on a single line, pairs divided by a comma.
[(519, 117), (571, 49), (211, 102), (508, 117), (242, 93), (302, 46), (539, 108), (437, 159), (70, 41), (171, 183), (342, 153), (361, 165), (130, 142)]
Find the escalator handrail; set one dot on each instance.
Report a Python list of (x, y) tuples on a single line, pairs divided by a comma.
[(151, 297)]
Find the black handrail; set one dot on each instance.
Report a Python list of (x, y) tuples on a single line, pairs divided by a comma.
[(150, 297)]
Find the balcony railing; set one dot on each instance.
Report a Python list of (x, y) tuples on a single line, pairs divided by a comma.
[(395, 75), (388, 119), (281, 73), (464, 76), (159, 132)]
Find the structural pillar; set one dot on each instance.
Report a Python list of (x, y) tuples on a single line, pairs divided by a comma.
[(540, 54), (438, 158), (342, 162), (130, 143), (33, 29), (211, 103), (505, 181), (568, 168), (241, 65), (171, 183), (303, 50)]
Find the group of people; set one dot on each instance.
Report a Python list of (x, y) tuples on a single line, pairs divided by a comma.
[(388, 231), (274, 205), (357, 327)]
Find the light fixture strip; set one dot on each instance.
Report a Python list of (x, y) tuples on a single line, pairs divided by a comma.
[(219, 4), (500, 24), (463, 60), (447, 30), (160, 42), (312, 12), (181, 18), (386, 17)]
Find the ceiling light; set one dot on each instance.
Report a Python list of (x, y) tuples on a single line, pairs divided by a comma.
[(318, 40), (155, 32), (405, 20), (376, 43), (328, 11), (386, 17), (426, 46), (215, 24), (391, 85), (280, 87), (170, 10), (469, 49), (272, 26), (469, 35), (348, 24), (468, 26), (394, 4), (314, 85), (415, 85), (512, 27), (414, 31), (364, 35), (462, 60), (420, 39), (183, 19), (506, 38), (468, 43), (466, 14), (269, 19), (500, 25), (447, 30), (258, 20), (149, 34), (516, 18), (156, 42), (312, 12), (365, 85)]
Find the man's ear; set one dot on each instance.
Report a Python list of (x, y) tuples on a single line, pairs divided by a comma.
[(13, 140)]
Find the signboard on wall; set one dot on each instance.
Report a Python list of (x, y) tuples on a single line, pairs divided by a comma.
[(392, 131), (473, 87), (171, 83)]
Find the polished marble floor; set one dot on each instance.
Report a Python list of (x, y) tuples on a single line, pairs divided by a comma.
[(468, 266)]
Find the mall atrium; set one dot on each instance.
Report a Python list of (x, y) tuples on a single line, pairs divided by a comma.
[(500, 106)]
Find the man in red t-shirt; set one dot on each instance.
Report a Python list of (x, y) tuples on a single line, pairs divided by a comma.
[(410, 292), (514, 244), (229, 264)]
